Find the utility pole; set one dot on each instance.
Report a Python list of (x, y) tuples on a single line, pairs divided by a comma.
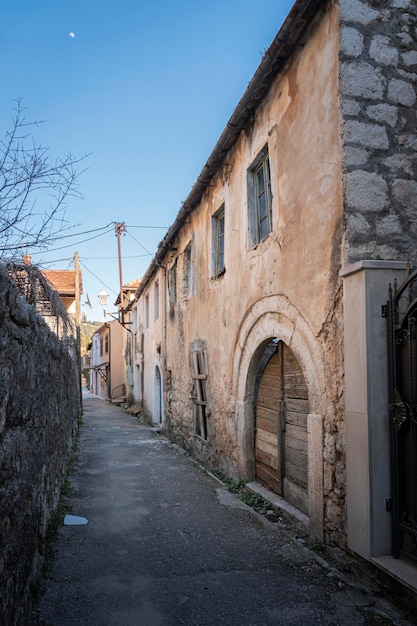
[(120, 228), (77, 290), (77, 320)]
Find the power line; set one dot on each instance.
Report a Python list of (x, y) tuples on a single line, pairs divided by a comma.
[(72, 245), (163, 227), (113, 258), (44, 263), (99, 279), (86, 232), (28, 245), (139, 244)]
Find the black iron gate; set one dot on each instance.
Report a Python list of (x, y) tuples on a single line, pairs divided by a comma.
[(402, 326)]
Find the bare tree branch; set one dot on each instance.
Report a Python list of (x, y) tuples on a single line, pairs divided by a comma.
[(33, 189)]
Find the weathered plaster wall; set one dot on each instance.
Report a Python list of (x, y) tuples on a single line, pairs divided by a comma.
[(39, 407), (299, 262), (378, 86), (149, 349)]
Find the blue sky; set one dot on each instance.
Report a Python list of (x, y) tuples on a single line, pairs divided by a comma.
[(145, 89)]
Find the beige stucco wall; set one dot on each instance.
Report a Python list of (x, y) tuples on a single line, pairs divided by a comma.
[(112, 361), (287, 286), (150, 350)]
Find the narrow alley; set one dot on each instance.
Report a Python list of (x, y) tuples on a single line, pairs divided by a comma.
[(166, 544)]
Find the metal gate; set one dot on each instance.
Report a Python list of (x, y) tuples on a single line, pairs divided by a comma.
[(402, 335)]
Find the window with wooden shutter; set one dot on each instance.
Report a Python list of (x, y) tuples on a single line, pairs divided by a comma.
[(199, 395)]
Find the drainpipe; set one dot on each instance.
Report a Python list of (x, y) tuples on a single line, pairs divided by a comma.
[(165, 317), (163, 267)]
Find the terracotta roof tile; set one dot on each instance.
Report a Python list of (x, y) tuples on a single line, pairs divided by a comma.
[(63, 281)]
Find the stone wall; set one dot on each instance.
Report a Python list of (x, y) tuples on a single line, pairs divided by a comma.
[(378, 89), (39, 408)]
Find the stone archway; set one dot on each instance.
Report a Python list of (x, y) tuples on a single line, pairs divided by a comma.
[(274, 316)]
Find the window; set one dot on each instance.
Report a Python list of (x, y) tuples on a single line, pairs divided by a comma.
[(101, 346), (217, 226), (199, 393), (147, 311), (156, 301), (106, 344), (172, 276), (187, 272), (259, 199)]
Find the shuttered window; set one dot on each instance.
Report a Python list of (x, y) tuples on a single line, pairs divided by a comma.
[(199, 394)]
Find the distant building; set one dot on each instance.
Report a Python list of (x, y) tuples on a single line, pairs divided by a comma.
[(52, 292), (64, 283), (107, 363)]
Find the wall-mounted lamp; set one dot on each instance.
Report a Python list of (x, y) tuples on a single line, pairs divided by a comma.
[(103, 297)]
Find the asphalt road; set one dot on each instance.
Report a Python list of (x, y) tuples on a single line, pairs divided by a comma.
[(166, 544)]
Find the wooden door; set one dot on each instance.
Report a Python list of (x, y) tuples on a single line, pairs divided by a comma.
[(281, 427)]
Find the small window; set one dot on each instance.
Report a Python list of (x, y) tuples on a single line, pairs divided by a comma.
[(106, 344), (259, 199), (156, 301), (217, 225), (187, 267), (172, 277), (101, 346), (147, 311)]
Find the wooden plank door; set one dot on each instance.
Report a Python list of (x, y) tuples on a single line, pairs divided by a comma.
[(281, 427), (267, 452)]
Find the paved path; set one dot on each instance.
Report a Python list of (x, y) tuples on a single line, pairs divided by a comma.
[(166, 544)]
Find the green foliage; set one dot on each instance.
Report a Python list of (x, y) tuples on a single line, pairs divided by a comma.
[(66, 486), (87, 330), (255, 500), (235, 486)]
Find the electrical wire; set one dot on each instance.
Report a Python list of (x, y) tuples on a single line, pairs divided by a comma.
[(99, 279), (113, 258), (139, 244), (72, 245), (86, 232), (163, 227)]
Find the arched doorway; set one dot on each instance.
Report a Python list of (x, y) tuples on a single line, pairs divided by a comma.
[(275, 317), (157, 397), (281, 408)]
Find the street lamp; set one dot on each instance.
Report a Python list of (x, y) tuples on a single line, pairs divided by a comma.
[(103, 297)]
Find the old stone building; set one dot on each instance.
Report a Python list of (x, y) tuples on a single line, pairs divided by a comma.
[(259, 339)]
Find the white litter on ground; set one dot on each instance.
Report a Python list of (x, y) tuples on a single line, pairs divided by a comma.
[(74, 520)]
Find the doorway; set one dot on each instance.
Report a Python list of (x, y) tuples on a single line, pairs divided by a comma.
[(157, 397), (281, 409)]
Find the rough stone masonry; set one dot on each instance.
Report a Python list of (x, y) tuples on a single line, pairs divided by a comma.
[(378, 54), (39, 410)]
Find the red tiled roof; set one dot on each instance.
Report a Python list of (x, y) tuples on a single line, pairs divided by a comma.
[(63, 281)]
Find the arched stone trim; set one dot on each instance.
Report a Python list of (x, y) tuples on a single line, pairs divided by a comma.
[(157, 413), (275, 316)]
